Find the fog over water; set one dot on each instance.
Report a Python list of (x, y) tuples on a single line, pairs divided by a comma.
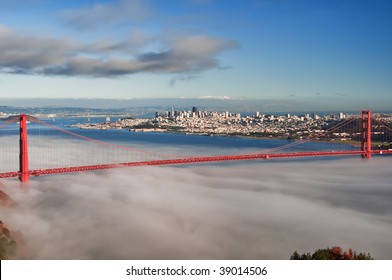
[(263, 210)]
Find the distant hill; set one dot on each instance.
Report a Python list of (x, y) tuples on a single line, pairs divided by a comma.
[(146, 107), (219, 103)]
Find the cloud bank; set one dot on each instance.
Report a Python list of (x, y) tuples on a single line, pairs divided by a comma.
[(241, 211), (21, 54)]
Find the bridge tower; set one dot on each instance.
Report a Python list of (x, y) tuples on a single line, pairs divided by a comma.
[(366, 143), (23, 150)]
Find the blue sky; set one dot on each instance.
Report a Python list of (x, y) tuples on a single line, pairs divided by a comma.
[(335, 52)]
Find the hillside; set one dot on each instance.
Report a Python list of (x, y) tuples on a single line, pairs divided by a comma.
[(12, 244)]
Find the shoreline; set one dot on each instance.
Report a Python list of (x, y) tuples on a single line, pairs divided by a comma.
[(355, 144)]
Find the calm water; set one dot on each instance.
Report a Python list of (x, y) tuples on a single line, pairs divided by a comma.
[(168, 142)]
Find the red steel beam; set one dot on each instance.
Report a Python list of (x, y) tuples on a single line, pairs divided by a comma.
[(39, 172), (9, 175)]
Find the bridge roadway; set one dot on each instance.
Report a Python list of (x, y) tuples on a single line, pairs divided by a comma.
[(191, 160)]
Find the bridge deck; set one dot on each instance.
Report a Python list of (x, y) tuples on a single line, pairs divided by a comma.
[(191, 160)]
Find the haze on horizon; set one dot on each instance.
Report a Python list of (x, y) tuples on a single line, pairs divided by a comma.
[(291, 52), (203, 103)]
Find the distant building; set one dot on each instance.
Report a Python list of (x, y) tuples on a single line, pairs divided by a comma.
[(107, 119)]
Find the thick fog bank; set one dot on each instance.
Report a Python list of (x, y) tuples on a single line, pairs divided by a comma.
[(244, 211)]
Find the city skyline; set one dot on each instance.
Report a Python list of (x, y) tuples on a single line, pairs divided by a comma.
[(286, 52)]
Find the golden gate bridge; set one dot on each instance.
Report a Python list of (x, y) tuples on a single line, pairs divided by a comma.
[(369, 130)]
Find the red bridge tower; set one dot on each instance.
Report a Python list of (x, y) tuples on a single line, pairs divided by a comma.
[(366, 143), (23, 151)]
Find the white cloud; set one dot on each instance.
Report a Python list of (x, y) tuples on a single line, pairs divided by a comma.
[(52, 56), (120, 11), (223, 97)]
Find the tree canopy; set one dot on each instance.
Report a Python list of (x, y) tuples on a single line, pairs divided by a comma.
[(334, 253)]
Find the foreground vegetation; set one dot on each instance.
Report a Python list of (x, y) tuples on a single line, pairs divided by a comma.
[(334, 253), (7, 243)]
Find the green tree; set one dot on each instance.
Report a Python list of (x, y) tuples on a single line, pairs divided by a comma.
[(7, 248), (7, 243), (321, 254), (334, 253)]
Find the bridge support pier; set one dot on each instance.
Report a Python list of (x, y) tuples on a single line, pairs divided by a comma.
[(23, 150), (366, 143)]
